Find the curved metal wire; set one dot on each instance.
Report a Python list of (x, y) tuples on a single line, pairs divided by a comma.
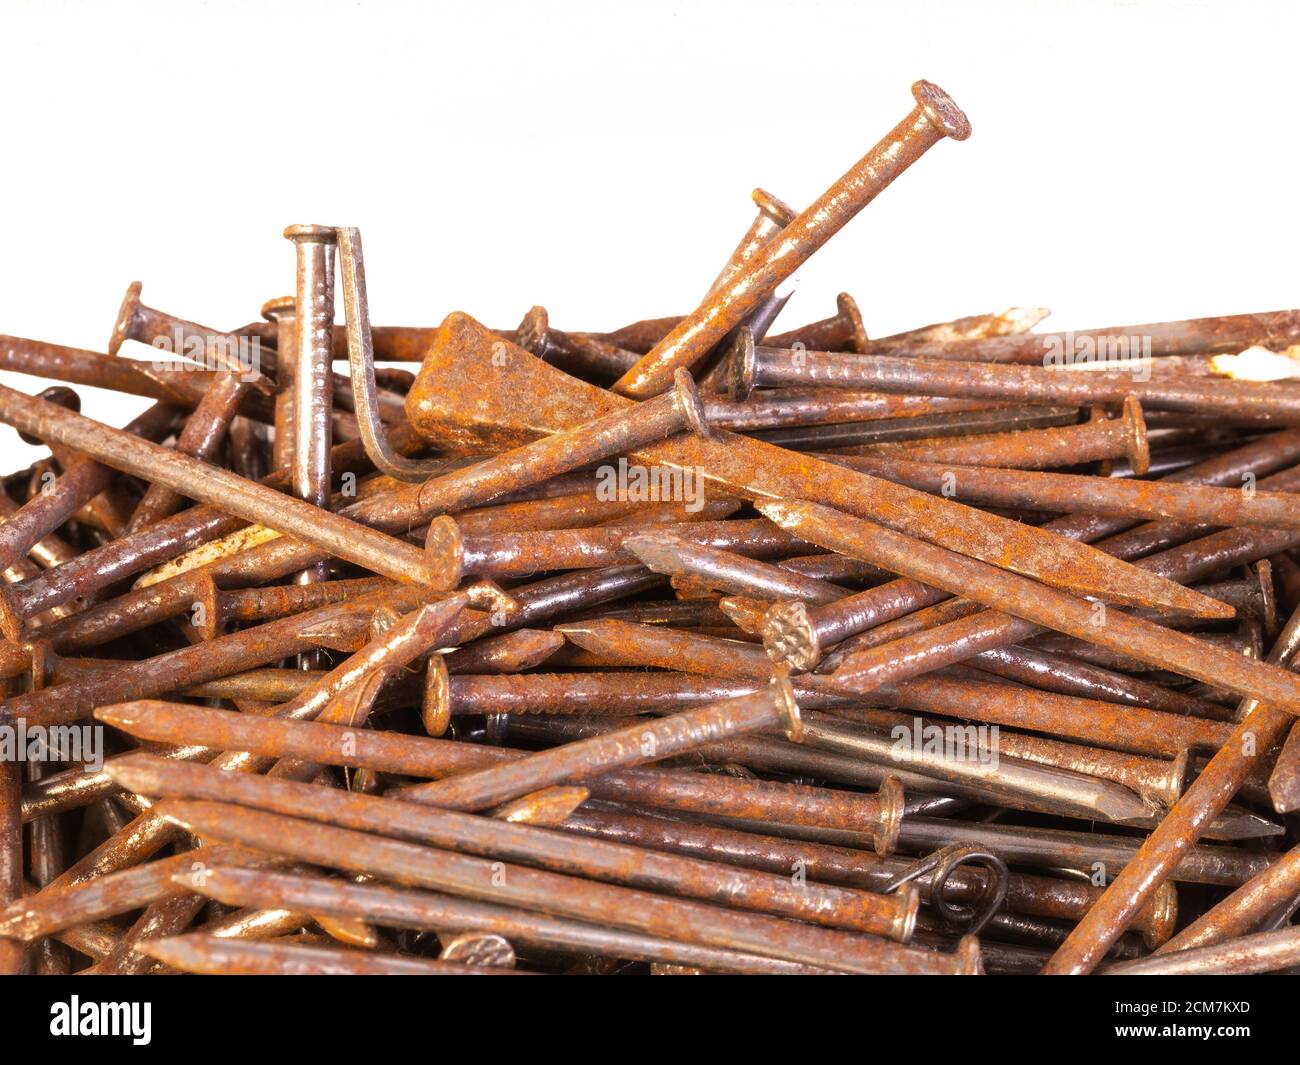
[(361, 367), (942, 864)]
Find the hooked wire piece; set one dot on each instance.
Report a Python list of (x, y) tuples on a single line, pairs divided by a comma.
[(942, 863), (361, 367)]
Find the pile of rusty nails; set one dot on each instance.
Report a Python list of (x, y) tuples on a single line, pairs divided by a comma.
[(930, 653)]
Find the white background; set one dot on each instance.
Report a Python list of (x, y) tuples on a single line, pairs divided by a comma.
[(1130, 162)]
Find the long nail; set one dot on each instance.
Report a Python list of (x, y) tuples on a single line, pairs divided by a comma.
[(81, 480), (1056, 848), (241, 606), (384, 652), (361, 360), (1245, 909), (103, 566), (1040, 896), (216, 956), (46, 553), (490, 838), (576, 353), (1190, 504), (138, 378), (48, 859), (506, 654), (79, 367), (116, 893), (275, 640), (763, 754), (204, 430), (1261, 726), (217, 350), (398, 343), (616, 694), (636, 745), (318, 741), (877, 816), (934, 118), (613, 434), (625, 908), (968, 633), (399, 908), (1284, 781), (1262, 952), (211, 484), (772, 218), (1159, 781), (831, 417), (452, 400), (1104, 438), (1071, 676), (11, 856), (517, 554), (1276, 330), (727, 571), (799, 635), (778, 368), (842, 331), (1024, 785), (282, 314), (313, 373), (1132, 729), (1037, 603)]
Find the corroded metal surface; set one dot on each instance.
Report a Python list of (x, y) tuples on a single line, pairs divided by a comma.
[(1261, 726), (1023, 579), (498, 411), (559, 852), (934, 117), (626, 908)]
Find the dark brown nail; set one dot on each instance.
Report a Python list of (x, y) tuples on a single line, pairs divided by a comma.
[(933, 118)]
